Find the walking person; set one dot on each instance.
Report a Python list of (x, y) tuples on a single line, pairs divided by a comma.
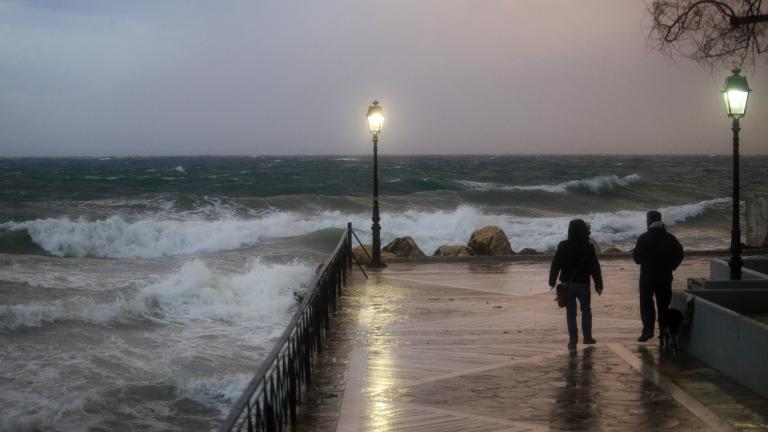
[(575, 261), (659, 253)]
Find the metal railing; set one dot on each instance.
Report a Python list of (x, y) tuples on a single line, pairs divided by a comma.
[(269, 402)]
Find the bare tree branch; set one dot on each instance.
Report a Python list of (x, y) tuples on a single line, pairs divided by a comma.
[(711, 32)]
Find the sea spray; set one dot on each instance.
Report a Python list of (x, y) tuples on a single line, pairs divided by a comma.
[(114, 237), (261, 295), (117, 238), (593, 184), (217, 390), (432, 229)]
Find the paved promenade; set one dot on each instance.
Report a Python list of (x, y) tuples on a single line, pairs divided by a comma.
[(482, 347)]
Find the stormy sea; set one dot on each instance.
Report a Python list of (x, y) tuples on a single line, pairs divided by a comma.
[(142, 293)]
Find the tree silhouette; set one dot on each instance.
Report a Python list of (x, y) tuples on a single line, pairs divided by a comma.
[(711, 32)]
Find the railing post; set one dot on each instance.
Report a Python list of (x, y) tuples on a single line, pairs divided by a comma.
[(250, 422), (292, 393), (349, 244)]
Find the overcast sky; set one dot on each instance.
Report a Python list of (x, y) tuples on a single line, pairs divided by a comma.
[(167, 77)]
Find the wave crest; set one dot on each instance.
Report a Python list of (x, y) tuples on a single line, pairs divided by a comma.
[(432, 229), (261, 295), (593, 184), (115, 237)]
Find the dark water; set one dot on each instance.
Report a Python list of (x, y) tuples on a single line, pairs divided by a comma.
[(110, 198), (142, 293)]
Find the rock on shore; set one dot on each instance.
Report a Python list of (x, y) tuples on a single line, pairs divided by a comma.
[(453, 250), (528, 251), (362, 258), (404, 247), (490, 240)]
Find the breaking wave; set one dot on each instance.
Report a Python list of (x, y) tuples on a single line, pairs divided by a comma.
[(116, 238), (432, 229), (594, 184), (261, 295)]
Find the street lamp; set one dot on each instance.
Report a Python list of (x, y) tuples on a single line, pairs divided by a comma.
[(375, 121), (736, 92)]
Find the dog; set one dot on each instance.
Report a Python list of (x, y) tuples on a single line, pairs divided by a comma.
[(669, 339)]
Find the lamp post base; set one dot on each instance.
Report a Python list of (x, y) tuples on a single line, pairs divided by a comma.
[(735, 264)]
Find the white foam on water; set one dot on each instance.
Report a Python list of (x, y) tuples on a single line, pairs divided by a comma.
[(262, 295), (179, 169), (33, 412), (148, 238), (432, 229), (214, 390), (593, 184), (115, 237)]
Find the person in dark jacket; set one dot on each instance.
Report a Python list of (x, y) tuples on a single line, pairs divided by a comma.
[(575, 261), (659, 254)]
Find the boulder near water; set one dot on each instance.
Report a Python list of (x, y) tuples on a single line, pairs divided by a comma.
[(362, 257), (490, 240), (528, 251), (404, 247), (453, 250)]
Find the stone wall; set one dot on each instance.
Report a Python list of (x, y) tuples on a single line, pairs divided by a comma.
[(757, 221)]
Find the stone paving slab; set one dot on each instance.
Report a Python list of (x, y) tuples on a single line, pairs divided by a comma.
[(482, 347)]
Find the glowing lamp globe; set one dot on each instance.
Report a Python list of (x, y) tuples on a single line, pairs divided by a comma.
[(735, 94), (375, 118)]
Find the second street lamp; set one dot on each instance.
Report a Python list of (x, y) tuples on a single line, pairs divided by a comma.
[(736, 93), (375, 121)]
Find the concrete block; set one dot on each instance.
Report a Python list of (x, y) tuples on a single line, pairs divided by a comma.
[(719, 270), (757, 221), (728, 341)]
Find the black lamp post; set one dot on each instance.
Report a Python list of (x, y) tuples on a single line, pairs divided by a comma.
[(736, 93), (375, 121)]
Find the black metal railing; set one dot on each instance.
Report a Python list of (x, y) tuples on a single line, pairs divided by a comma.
[(269, 403)]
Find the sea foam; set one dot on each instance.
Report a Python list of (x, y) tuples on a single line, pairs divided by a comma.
[(117, 238), (593, 184), (432, 229), (261, 295)]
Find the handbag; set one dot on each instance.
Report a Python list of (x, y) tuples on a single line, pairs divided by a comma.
[(561, 290)]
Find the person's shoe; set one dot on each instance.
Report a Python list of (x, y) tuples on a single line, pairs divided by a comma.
[(589, 341), (644, 337), (571, 345)]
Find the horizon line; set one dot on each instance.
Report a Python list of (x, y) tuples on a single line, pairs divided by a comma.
[(293, 155)]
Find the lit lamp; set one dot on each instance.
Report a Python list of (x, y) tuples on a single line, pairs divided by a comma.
[(736, 93), (375, 121)]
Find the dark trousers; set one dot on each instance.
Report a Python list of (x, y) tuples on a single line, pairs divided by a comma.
[(663, 293), (581, 292)]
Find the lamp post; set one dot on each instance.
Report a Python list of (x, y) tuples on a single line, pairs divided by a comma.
[(375, 121), (736, 92)]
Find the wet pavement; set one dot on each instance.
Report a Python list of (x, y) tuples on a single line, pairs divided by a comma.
[(482, 347)]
